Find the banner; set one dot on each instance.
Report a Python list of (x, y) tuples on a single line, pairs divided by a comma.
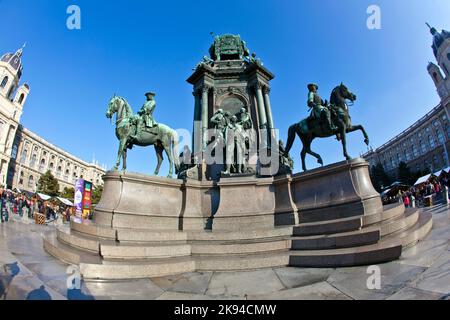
[(78, 199), (87, 198)]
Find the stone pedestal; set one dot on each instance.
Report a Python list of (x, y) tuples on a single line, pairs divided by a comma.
[(112, 191), (336, 191), (201, 199), (139, 201), (285, 209), (246, 203)]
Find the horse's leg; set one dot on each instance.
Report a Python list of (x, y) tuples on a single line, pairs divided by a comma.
[(124, 155), (343, 131), (119, 154), (159, 155), (167, 148), (309, 151), (361, 128)]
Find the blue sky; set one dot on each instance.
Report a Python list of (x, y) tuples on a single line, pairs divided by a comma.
[(130, 47)]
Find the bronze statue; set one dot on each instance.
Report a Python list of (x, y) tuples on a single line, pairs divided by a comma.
[(309, 129), (130, 133)]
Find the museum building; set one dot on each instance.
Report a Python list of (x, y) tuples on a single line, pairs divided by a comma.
[(425, 145), (24, 155)]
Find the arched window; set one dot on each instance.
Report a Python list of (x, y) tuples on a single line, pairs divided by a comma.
[(435, 76), (431, 141), (33, 161), (24, 156), (22, 96), (440, 136), (4, 82)]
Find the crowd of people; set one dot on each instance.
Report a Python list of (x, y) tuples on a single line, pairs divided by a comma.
[(416, 196), (13, 203)]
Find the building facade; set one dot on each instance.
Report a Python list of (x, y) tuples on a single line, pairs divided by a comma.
[(24, 156), (424, 145)]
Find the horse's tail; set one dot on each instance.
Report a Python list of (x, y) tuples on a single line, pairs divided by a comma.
[(174, 143), (291, 137)]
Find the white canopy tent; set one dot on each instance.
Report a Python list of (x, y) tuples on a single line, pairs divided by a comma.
[(424, 179)]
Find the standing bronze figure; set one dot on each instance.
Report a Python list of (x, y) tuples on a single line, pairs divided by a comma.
[(317, 126)]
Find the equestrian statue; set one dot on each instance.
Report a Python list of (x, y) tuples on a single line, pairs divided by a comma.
[(141, 130), (326, 120)]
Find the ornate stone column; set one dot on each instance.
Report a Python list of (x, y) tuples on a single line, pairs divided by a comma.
[(261, 109), (268, 108), (205, 91)]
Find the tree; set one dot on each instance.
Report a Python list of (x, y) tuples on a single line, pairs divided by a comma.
[(48, 184), (380, 179), (68, 193), (97, 194), (404, 174)]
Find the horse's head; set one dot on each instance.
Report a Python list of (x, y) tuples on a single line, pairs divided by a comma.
[(113, 106), (345, 93)]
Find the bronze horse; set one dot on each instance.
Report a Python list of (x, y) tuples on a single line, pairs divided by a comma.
[(309, 129)]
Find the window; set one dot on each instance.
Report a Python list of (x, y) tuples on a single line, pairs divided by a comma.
[(4, 82), (435, 161), (23, 157), (31, 182), (14, 151), (33, 161), (440, 136), (431, 142), (22, 96), (435, 76)]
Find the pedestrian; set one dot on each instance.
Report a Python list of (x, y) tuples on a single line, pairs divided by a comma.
[(406, 201)]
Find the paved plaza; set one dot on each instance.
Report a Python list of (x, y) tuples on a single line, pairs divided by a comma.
[(423, 272)]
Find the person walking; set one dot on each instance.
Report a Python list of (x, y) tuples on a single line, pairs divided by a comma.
[(406, 201)]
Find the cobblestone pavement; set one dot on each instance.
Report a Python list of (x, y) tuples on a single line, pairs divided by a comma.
[(423, 272)]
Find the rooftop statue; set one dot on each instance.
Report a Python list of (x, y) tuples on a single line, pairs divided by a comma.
[(228, 47), (142, 130), (438, 38), (326, 120)]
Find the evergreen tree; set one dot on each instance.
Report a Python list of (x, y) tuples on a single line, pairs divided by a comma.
[(68, 193), (48, 184), (97, 194), (404, 174), (380, 179)]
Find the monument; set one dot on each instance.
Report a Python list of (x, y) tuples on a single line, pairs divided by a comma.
[(232, 216)]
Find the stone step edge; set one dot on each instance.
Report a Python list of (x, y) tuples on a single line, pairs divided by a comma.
[(388, 213), (328, 227), (337, 241), (399, 223)]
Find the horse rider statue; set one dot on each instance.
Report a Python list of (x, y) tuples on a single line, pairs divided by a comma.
[(319, 109)]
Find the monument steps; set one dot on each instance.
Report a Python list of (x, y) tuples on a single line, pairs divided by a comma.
[(328, 226), (242, 262), (68, 253), (266, 246), (339, 240), (414, 234), (94, 230), (139, 251), (405, 221), (402, 231), (347, 257), (389, 212), (126, 269)]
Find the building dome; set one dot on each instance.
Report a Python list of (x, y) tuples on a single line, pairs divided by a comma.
[(14, 60)]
